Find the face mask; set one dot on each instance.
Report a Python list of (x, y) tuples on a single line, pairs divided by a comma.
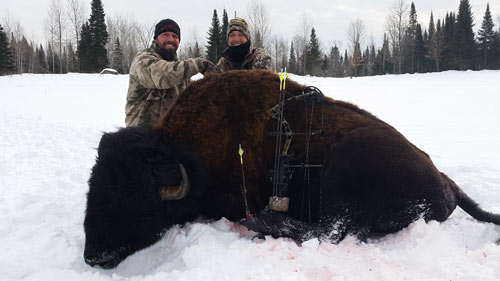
[(238, 53)]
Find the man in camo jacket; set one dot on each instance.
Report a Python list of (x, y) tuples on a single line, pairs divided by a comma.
[(239, 55), (157, 77)]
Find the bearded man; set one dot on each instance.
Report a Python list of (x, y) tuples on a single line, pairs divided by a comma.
[(157, 76)]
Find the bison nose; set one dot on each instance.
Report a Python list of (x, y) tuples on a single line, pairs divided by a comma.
[(104, 260)]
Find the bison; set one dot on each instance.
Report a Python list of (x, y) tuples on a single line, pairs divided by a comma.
[(371, 180)]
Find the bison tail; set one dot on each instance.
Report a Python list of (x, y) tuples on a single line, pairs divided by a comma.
[(470, 206)]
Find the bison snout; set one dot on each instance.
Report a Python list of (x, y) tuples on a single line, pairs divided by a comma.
[(176, 192), (105, 259)]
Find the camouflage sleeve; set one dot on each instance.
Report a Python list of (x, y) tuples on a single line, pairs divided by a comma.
[(222, 65), (262, 59), (155, 73)]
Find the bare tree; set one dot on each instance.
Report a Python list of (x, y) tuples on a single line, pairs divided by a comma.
[(279, 52), (17, 36), (436, 45), (7, 22), (300, 41), (192, 47), (145, 33), (396, 24), (126, 30), (56, 25), (355, 36), (75, 11), (258, 20)]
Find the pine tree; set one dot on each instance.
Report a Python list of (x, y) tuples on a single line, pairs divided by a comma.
[(223, 31), (486, 39), (409, 39), (432, 28), (213, 44), (336, 69), (43, 66), (347, 66), (357, 61), (84, 49), (72, 61), (420, 50), (99, 37), (324, 65), (292, 61), (464, 36), (450, 47), (313, 54), (6, 58), (117, 57)]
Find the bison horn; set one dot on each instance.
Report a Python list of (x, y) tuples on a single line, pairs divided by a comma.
[(176, 192)]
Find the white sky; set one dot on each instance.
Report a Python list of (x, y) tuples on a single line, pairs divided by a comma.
[(330, 18)]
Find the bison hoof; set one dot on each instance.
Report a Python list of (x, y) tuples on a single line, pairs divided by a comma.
[(255, 224)]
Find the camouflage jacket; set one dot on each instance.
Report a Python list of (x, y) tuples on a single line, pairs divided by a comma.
[(257, 58), (154, 85)]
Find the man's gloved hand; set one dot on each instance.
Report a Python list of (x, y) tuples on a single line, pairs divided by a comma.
[(208, 66)]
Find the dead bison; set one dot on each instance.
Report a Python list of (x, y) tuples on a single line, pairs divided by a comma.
[(372, 180)]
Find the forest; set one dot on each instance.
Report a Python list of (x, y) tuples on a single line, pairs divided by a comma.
[(75, 43)]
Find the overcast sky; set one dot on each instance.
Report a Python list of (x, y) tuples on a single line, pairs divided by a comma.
[(330, 18)]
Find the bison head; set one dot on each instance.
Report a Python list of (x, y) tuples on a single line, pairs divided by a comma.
[(142, 183)]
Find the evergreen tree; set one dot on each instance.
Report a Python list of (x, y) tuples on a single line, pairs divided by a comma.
[(99, 37), (432, 28), (386, 56), (213, 45), (117, 57), (450, 48), (336, 69), (371, 61), (223, 31), (357, 61), (409, 40), (292, 61), (347, 65), (72, 61), (324, 66), (464, 36), (43, 66), (496, 50), (486, 39), (92, 53), (84, 48), (6, 58), (313, 54), (420, 50)]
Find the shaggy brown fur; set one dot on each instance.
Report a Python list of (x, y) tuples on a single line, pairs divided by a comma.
[(223, 110)]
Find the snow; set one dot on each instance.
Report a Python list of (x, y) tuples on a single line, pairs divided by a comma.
[(50, 126)]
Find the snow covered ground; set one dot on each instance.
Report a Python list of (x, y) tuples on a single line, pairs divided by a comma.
[(50, 126)]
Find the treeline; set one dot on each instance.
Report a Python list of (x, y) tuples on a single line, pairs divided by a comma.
[(75, 44)]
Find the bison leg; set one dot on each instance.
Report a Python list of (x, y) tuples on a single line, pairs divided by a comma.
[(279, 224)]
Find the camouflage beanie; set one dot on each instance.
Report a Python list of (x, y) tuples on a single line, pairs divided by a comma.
[(167, 25), (240, 25)]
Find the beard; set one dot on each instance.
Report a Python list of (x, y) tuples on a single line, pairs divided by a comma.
[(167, 54)]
